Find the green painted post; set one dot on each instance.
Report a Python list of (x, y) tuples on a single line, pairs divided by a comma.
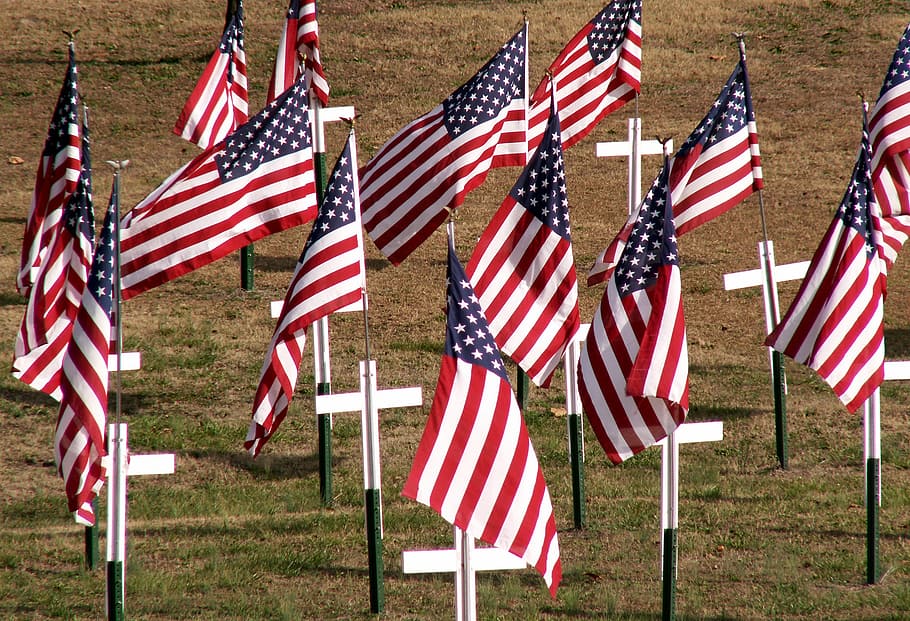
[(374, 545), (115, 591), (324, 427), (323, 421), (578, 472), (669, 575), (247, 258), (91, 540), (522, 389), (873, 471), (779, 379)]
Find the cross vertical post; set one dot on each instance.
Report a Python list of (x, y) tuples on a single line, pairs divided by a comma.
[(669, 503), (872, 448), (575, 426)]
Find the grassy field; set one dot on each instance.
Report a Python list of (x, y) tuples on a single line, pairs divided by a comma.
[(228, 537)]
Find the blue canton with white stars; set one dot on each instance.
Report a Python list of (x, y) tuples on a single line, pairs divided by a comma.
[(232, 38), (79, 215), (283, 127), (730, 113), (854, 208), (899, 71), (467, 333), (609, 28), (541, 188), (101, 276), (484, 97), (65, 114), (652, 242), (337, 207)]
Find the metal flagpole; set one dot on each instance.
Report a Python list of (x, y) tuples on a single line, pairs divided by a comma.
[(117, 432), (778, 376), (370, 433), (321, 328), (522, 381), (669, 518), (91, 532)]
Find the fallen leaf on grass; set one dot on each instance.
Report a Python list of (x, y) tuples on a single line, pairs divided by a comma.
[(15, 160)]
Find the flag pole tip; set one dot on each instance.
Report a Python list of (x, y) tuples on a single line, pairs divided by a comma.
[(118, 164), (71, 34)]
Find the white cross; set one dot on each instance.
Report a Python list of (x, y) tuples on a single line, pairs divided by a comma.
[(120, 464), (633, 149), (464, 561)]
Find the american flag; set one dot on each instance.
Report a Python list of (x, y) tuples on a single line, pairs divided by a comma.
[(523, 270), (717, 167), (55, 181), (56, 293), (256, 182), (218, 103), (889, 124), (79, 435), (329, 276), (432, 163), (835, 323), (597, 72), (475, 464), (300, 38), (634, 367)]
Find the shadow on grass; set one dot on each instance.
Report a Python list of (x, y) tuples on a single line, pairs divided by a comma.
[(897, 343), (11, 299), (265, 467), (705, 413), (26, 396)]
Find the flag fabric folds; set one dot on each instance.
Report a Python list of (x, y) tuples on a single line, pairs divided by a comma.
[(218, 104), (716, 168), (475, 464), (56, 179), (256, 182), (597, 72), (79, 435), (432, 163), (328, 276), (835, 325), (523, 270), (56, 292), (298, 49), (889, 129), (634, 368)]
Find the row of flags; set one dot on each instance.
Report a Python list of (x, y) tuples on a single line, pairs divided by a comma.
[(475, 464)]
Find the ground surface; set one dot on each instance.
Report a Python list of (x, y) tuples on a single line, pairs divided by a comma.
[(227, 537)]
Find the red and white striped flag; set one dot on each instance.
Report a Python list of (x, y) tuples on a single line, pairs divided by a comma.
[(835, 325), (329, 276), (218, 104), (717, 167), (523, 270), (79, 435), (56, 292), (889, 129), (256, 182), (634, 368), (475, 464), (597, 72), (299, 42), (432, 163), (55, 181)]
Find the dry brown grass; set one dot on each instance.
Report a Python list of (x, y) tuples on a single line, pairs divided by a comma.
[(228, 538)]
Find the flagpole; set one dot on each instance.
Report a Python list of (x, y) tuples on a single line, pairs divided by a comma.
[(523, 384), (247, 253), (117, 438), (778, 375), (370, 431), (321, 326), (91, 532)]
